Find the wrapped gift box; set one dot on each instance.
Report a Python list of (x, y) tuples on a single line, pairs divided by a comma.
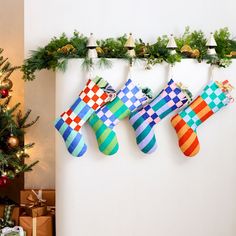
[(36, 211), (15, 214), (37, 226), (48, 195)]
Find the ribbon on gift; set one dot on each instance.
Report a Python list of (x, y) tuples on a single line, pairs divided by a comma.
[(226, 87), (34, 226), (36, 198), (186, 91), (6, 220), (16, 229)]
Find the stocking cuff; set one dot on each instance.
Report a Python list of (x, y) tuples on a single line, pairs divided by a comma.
[(132, 96), (90, 99)]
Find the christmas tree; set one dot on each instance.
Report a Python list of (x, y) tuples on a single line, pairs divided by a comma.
[(12, 129)]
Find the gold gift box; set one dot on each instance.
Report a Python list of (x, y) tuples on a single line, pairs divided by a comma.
[(36, 211), (37, 226)]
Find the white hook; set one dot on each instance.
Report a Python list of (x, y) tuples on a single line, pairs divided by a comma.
[(170, 72), (211, 72), (130, 70)]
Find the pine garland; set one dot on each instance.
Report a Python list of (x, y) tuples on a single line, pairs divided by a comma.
[(56, 54)]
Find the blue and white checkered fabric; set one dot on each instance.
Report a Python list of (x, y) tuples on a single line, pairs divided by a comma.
[(131, 96)]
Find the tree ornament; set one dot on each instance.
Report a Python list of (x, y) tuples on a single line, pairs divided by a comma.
[(13, 141), (130, 45), (6, 84), (172, 44), (4, 180), (211, 44), (4, 93), (92, 45)]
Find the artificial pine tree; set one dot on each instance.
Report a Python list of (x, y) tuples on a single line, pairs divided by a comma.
[(12, 129)]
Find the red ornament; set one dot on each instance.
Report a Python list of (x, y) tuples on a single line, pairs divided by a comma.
[(4, 180), (4, 93)]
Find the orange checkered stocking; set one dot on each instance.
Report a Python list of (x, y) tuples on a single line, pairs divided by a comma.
[(211, 100)]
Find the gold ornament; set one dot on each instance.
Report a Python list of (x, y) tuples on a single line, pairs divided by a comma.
[(6, 84), (232, 54), (99, 50), (195, 53), (13, 141), (68, 48), (186, 49)]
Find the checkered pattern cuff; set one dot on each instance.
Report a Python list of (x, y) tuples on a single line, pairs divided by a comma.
[(132, 96), (214, 97), (93, 95)]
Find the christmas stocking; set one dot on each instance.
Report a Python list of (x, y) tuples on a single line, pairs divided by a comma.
[(94, 95), (129, 98), (211, 100), (167, 101)]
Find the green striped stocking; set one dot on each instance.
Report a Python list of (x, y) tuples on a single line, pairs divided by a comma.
[(129, 98)]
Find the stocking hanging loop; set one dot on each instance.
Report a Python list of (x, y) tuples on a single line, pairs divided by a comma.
[(170, 72), (130, 70), (211, 72), (171, 46)]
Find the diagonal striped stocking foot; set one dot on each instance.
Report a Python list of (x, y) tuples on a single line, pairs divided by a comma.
[(143, 121), (211, 100), (129, 98)]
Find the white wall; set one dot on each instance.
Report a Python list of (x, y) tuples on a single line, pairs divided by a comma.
[(134, 194)]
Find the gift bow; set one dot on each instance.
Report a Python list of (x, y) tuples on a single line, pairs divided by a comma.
[(16, 229), (225, 86), (186, 92), (39, 201)]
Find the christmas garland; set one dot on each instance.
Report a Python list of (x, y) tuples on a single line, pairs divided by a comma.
[(192, 44)]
